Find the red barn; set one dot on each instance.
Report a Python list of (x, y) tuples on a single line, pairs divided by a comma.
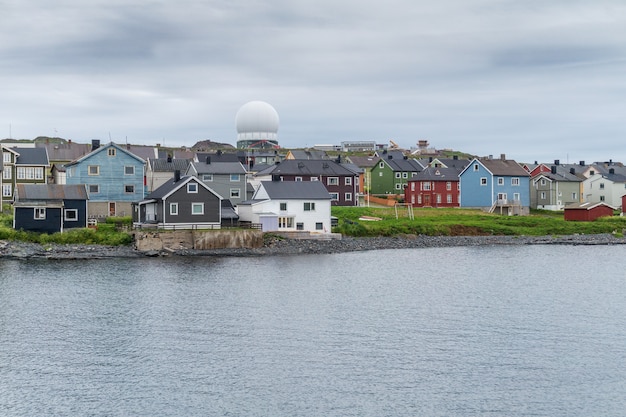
[(587, 212)]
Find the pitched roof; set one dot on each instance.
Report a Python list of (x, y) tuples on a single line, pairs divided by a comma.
[(306, 167), (219, 157), (363, 161), (506, 167), (438, 174), (32, 192), (588, 205), (172, 185), (403, 164), (218, 168), (101, 149), (295, 190), (168, 165), (68, 151), (308, 154), (31, 156)]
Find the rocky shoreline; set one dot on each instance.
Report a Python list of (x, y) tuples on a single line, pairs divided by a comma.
[(25, 250)]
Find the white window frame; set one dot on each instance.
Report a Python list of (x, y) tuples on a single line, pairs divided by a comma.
[(39, 213), (192, 188), (475, 167), (483, 181), (515, 181), (197, 205), (334, 196), (129, 189), (448, 185), (235, 193), (347, 197), (405, 175), (207, 177), (500, 180), (6, 157), (235, 178), (70, 219), (298, 179), (7, 173), (92, 168), (97, 191), (282, 206), (128, 168), (285, 222), (398, 175), (332, 181), (348, 181), (111, 151), (449, 198), (173, 209), (308, 206), (7, 190)]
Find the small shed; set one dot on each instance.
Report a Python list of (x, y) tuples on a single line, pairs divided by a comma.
[(50, 208), (587, 211)]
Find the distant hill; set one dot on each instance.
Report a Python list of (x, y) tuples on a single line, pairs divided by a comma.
[(207, 145)]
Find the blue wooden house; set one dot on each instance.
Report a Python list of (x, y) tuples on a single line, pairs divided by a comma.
[(495, 185), (114, 178), (49, 208)]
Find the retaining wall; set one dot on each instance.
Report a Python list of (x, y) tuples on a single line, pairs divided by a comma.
[(198, 239)]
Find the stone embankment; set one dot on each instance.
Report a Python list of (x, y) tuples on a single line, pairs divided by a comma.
[(12, 249)]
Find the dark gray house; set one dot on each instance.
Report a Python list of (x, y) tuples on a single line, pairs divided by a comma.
[(180, 203), (50, 208)]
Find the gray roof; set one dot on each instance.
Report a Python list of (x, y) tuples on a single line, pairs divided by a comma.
[(101, 149), (64, 152), (37, 192), (306, 167), (295, 190), (402, 164), (219, 157), (506, 167), (171, 165), (168, 187), (562, 174), (218, 168), (438, 174), (363, 161), (32, 156), (308, 154)]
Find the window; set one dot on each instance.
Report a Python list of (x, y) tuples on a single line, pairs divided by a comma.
[(448, 186), (285, 222), (319, 226), (483, 181), (333, 180), (235, 193), (111, 151), (398, 174), (234, 177), (129, 189), (602, 186), (314, 179), (334, 196), (192, 188), (6, 190), (197, 208), (573, 196), (398, 186), (21, 173), (298, 179), (458, 185), (6, 157), (516, 197), (348, 197), (381, 165), (542, 195), (39, 173), (449, 198), (601, 198), (6, 174), (309, 206), (348, 181), (419, 199), (515, 181), (543, 181), (283, 206), (93, 170), (174, 209), (412, 186), (426, 186), (405, 175), (71, 215), (207, 177), (380, 174), (94, 188), (500, 181), (40, 213), (129, 170), (299, 226), (475, 167), (438, 198)]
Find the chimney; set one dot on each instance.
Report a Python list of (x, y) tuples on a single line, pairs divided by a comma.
[(128, 146), (502, 157), (69, 141), (455, 157), (275, 177), (553, 169), (219, 152), (208, 160), (557, 162), (572, 171), (95, 144), (430, 159), (389, 156), (169, 158), (612, 171), (581, 163), (176, 175)]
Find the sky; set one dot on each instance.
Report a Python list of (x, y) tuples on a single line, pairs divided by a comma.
[(535, 80)]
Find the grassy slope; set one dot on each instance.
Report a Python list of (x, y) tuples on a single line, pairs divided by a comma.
[(457, 222)]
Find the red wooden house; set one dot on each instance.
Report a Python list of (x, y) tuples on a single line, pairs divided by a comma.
[(434, 187), (588, 211)]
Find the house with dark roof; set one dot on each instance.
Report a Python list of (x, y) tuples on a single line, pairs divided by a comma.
[(160, 170), (228, 179), (340, 182), (556, 188), (435, 186), (50, 208), (180, 203), (365, 163), (607, 185), (495, 185), (22, 165), (288, 206), (392, 173)]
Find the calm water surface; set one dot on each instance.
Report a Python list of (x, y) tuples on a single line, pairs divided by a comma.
[(501, 331)]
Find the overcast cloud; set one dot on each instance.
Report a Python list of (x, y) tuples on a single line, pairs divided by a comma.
[(534, 79)]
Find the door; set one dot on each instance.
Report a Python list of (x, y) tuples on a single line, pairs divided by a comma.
[(111, 209), (150, 212), (427, 200)]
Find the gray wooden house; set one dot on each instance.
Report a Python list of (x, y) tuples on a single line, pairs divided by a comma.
[(50, 208), (180, 203)]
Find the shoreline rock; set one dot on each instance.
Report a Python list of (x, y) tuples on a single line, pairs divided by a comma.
[(25, 250)]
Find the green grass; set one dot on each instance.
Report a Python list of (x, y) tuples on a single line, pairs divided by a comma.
[(106, 234), (457, 222)]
